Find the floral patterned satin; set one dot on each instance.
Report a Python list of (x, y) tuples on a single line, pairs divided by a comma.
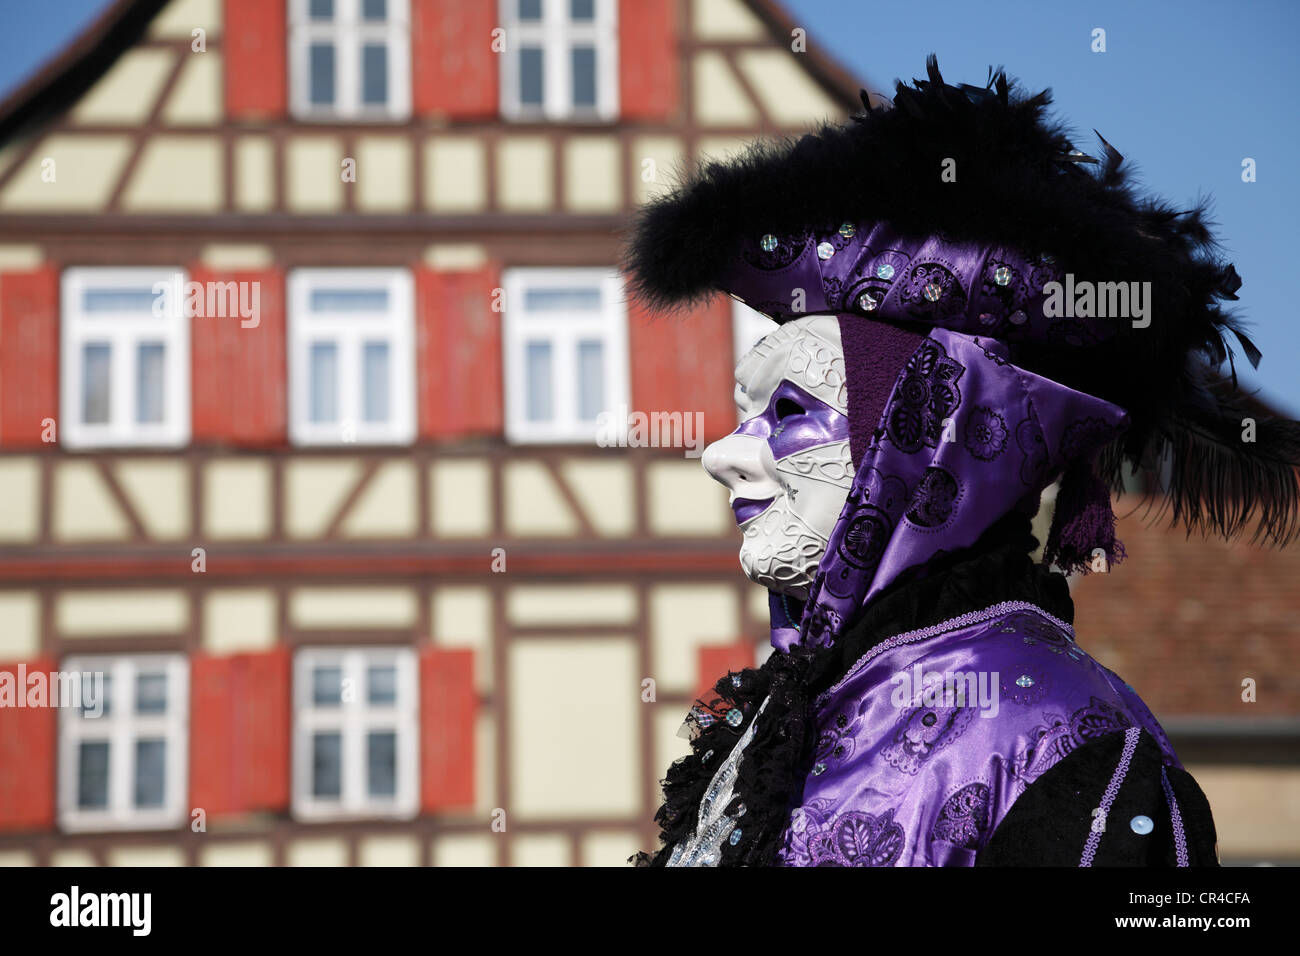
[(915, 780)]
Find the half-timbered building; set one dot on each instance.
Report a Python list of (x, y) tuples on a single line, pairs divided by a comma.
[(309, 313)]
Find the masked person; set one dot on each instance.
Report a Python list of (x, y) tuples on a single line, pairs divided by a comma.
[(968, 314)]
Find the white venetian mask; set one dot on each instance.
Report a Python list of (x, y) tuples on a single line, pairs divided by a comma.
[(787, 465)]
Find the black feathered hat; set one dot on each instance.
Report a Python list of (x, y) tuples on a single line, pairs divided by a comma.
[(1016, 181)]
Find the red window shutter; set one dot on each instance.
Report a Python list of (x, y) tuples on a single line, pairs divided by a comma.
[(238, 374), (28, 752), (648, 66), (239, 732), (29, 354), (718, 660), (256, 48), (684, 363), (458, 348), (453, 68), (448, 707)]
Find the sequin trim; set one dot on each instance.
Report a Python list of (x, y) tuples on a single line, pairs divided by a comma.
[(952, 624), (704, 846), (1112, 791), (1180, 837)]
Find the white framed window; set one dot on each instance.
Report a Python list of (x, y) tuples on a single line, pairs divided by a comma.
[(355, 733), (561, 59), (351, 356), (565, 353), (123, 758), (125, 358), (350, 59)]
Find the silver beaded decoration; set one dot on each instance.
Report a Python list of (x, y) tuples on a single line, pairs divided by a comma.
[(704, 846)]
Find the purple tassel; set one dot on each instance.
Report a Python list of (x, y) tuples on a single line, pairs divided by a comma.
[(1082, 523)]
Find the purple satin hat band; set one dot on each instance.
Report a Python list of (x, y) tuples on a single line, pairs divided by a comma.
[(872, 270)]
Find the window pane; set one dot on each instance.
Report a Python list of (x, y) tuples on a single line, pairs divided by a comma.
[(582, 9), (530, 76), (381, 685), (151, 693), (374, 74), (92, 774), (574, 299), (322, 9), (150, 771), (322, 74), (95, 360), (381, 763), (584, 76), (118, 300), (327, 764), (349, 300), (530, 9), (149, 383), (591, 379), (327, 686), (537, 369), (323, 372), (89, 687), (374, 375), (374, 10)]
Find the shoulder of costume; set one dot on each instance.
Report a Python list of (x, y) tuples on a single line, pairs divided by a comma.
[(1114, 801)]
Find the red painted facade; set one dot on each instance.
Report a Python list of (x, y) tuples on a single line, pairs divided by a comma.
[(453, 66), (238, 376), (28, 749), (459, 383), (256, 51), (29, 354)]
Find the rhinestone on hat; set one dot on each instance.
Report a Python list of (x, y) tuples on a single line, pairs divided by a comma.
[(1002, 275), (932, 291), (868, 302), (1142, 824), (847, 230), (825, 250), (884, 271), (768, 243), (1018, 318), (735, 717), (1024, 680)]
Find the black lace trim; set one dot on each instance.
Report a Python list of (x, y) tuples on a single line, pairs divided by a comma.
[(770, 778)]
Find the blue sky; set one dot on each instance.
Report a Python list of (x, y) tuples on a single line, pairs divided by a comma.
[(1185, 90)]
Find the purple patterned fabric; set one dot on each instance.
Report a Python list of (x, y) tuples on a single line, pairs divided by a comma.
[(877, 272), (964, 438), (931, 736)]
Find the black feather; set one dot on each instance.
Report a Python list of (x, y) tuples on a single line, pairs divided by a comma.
[(1023, 184)]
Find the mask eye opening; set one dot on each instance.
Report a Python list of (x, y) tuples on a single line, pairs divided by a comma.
[(785, 407)]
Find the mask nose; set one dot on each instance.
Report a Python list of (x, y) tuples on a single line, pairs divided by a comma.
[(744, 464)]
